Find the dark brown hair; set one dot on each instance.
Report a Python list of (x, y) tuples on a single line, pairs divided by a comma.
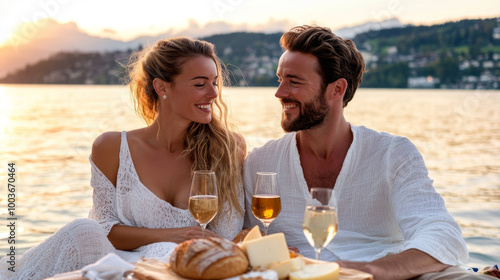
[(337, 57)]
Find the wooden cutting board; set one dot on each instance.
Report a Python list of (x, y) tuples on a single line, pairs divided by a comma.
[(151, 269)]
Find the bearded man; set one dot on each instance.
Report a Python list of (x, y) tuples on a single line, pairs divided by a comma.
[(391, 221)]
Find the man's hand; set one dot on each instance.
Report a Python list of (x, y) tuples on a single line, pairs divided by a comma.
[(404, 265)]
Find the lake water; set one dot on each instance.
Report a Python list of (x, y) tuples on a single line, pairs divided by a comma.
[(48, 130)]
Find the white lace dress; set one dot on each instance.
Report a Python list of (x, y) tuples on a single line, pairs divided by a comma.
[(83, 241)]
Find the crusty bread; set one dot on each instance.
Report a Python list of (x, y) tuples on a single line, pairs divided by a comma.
[(242, 234), (210, 258)]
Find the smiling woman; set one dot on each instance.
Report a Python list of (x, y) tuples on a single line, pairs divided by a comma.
[(141, 177)]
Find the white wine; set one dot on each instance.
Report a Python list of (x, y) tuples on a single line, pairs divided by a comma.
[(320, 225), (266, 207), (203, 208)]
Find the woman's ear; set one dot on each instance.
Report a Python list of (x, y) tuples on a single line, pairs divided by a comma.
[(161, 87)]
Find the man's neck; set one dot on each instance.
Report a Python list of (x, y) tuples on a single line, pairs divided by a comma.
[(327, 141)]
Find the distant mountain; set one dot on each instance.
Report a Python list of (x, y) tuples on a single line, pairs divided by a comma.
[(37, 41), (49, 39)]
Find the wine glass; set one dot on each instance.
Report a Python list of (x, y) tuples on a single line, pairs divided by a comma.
[(266, 202), (320, 219), (203, 200)]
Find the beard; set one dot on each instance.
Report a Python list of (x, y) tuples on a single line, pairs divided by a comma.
[(311, 114)]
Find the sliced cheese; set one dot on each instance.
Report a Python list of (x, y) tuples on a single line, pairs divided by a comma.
[(285, 267), (253, 234), (319, 271), (266, 250)]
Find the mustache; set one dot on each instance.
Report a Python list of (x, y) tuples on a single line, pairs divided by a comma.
[(289, 100)]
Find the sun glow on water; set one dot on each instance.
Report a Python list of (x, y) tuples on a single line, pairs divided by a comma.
[(5, 107)]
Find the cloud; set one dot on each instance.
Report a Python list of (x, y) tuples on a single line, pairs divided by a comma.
[(29, 32), (32, 41), (108, 32), (273, 26), (195, 29)]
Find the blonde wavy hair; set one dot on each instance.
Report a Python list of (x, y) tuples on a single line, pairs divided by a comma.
[(211, 146)]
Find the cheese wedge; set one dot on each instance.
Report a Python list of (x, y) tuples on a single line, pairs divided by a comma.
[(285, 267), (253, 234), (266, 250), (319, 271)]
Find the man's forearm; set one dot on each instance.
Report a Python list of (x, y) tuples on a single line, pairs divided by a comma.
[(404, 265)]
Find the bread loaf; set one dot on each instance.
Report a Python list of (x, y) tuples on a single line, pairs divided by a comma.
[(248, 234), (210, 258)]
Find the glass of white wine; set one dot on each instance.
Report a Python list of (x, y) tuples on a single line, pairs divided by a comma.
[(266, 201), (320, 219), (203, 200)]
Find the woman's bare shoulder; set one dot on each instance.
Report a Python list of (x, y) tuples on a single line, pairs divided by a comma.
[(105, 154), (107, 140)]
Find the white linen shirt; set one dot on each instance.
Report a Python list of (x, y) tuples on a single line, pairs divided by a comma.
[(386, 202)]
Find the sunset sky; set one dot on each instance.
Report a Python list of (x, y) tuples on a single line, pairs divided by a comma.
[(124, 21)]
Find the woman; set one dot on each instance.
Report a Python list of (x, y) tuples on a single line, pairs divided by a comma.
[(141, 178)]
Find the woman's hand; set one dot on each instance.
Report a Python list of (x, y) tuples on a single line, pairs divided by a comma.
[(179, 235)]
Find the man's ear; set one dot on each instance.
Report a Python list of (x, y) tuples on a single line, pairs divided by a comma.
[(336, 90), (160, 86)]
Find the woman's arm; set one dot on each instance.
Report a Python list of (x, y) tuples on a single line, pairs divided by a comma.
[(405, 265), (129, 238)]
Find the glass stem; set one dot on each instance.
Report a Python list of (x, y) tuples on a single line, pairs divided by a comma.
[(318, 251), (203, 231)]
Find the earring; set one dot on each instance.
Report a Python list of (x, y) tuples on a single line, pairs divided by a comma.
[(164, 96)]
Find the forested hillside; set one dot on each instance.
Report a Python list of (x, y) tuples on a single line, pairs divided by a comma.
[(464, 54)]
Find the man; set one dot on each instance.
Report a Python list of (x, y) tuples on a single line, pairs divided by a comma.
[(392, 223)]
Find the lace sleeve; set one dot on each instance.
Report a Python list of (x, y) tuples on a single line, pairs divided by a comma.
[(104, 206)]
